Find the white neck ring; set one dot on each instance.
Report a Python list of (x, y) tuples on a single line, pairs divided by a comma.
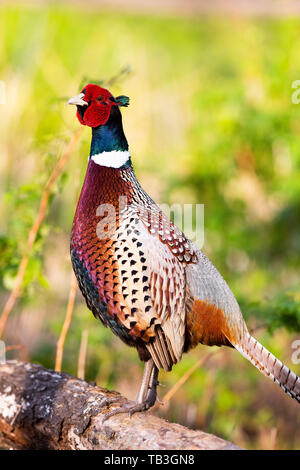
[(113, 159)]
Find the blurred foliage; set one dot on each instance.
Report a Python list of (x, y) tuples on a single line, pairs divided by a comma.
[(23, 202), (282, 311), (210, 121)]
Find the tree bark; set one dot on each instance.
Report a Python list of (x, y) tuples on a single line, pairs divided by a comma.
[(43, 409)]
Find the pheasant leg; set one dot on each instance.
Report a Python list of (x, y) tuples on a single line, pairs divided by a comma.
[(147, 394)]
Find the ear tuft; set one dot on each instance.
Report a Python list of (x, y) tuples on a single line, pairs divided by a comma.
[(122, 100)]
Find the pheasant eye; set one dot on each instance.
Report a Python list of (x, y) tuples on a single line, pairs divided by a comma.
[(100, 98)]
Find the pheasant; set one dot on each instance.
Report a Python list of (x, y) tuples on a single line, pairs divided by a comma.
[(139, 274)]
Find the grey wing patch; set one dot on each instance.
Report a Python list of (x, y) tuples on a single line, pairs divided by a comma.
[(205, 283)]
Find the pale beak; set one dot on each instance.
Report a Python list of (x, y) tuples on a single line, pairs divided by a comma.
[(78, 100)]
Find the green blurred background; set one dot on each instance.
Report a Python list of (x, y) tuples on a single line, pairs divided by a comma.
[(211, 121)]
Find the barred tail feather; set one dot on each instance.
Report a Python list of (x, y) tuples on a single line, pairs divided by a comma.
[(269, 365)]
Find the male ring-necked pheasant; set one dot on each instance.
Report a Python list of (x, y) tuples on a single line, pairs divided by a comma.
[(138, 272)]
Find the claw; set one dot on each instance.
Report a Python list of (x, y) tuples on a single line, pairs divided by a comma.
[(125, 408), (160, 401), (129, 408)]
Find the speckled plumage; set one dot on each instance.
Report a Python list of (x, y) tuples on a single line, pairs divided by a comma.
[(138, 293)]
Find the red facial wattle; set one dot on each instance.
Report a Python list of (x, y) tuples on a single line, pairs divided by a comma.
[(95, 115), (99, 106)]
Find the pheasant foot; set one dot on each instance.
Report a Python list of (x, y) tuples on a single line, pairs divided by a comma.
[(146, 397)]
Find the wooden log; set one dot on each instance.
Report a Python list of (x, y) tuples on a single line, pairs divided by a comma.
[(43, 409)]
